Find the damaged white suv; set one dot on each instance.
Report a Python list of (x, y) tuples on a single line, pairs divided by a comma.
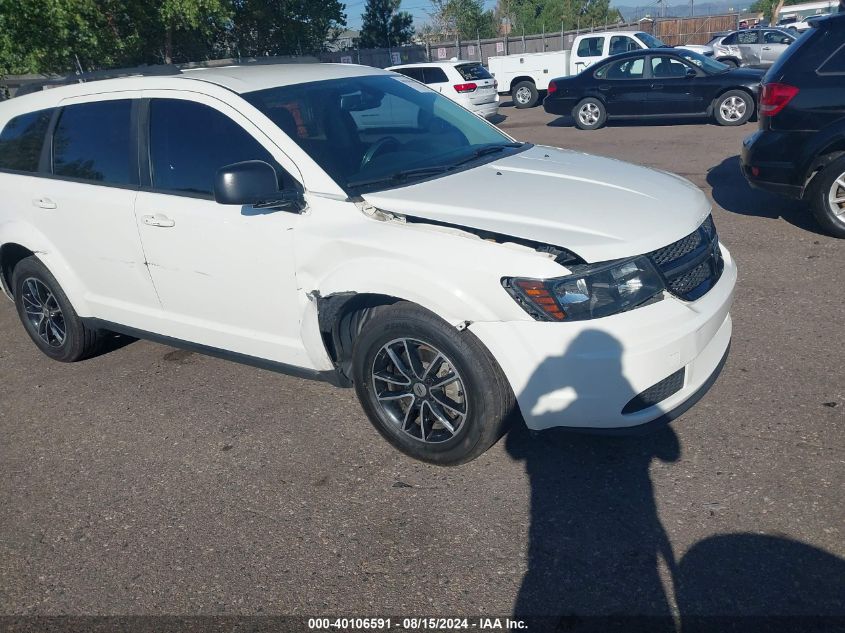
[(349, 224)]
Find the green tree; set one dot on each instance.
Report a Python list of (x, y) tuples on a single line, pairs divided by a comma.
[(466, 18), (536, 15), (384, 25), (285, 27)]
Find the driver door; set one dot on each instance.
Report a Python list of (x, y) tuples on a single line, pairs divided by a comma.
[(225, 274)]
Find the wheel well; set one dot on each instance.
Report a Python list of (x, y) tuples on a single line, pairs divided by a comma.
[(830, 154), (729, 59), (10, 255), (517, 80), (341, 317)]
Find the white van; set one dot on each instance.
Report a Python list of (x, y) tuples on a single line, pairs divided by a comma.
[(524, 76), (261, 214)]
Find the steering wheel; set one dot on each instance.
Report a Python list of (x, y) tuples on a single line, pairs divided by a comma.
[(377, 148)]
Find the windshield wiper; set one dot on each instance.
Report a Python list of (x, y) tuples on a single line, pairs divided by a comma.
[(400, 176), (483, 151)]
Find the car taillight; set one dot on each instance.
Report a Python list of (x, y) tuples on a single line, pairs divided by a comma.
[(465, 87), (775, 97), (552, 88)]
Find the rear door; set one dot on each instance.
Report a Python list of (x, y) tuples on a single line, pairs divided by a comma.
[(624, 86), (86, 206), (485, 86), (435, 78), (750, 47)]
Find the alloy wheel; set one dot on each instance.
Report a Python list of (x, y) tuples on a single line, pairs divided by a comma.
[(836, 198), (589, 114), (419, 390), (43, 312), (733, 108), (523, 95)]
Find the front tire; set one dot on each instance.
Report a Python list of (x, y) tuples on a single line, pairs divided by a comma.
[(827, 196), (734, 107), (589, 114), (525, 94), (434, 393), (47, 315)]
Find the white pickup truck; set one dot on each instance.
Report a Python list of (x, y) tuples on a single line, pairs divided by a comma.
[(525, 75)]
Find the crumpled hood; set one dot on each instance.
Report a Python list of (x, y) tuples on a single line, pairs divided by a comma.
[(598, 208)]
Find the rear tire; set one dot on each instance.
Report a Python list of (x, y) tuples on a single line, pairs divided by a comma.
[(589, 114), (47, 315), (733, 108), (525, 94), (400, 357), (827, 197)]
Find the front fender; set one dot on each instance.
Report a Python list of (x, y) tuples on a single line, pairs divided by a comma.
[(29, 237)]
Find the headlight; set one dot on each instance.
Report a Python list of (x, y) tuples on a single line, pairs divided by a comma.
[(591, 292)]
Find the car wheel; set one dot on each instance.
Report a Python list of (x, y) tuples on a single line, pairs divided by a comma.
[(525, 94), (47, 315), (827, 196), (432, 391), (734, 107), (589, 114)]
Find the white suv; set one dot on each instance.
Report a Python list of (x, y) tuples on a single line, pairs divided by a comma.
[(281, 216), (467, 83)]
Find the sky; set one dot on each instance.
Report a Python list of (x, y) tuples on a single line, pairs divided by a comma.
[(418, 8)]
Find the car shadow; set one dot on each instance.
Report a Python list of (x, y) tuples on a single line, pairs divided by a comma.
[(568, 121), (732, 192), (599, 557)]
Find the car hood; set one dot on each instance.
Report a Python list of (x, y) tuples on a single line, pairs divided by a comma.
[(598, 208)]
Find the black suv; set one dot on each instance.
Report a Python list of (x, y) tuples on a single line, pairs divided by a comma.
[(799, 150)]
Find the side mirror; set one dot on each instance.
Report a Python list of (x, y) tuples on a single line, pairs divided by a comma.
[(253, 183), (691, 73)]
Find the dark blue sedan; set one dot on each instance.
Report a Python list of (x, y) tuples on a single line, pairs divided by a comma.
[(656, 83)]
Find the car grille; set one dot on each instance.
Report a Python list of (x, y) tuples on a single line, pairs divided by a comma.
[(692, 265)]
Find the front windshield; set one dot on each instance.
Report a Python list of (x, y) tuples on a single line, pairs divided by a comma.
[(651, 42), (709, 65), (378, 131)]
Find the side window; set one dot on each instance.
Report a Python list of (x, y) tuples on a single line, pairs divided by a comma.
[(748, 37), (667, 67), (92, 141), (776, 37), (730, 40), (626, 69), (22, 139), (413, 73), (591, 47), (435, 75), (835, 64), (190, 141), (622, 44)]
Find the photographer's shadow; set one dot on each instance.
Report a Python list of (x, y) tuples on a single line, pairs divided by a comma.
[(597, 547)]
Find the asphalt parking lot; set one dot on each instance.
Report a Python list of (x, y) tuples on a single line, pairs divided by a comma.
[(156, 481)]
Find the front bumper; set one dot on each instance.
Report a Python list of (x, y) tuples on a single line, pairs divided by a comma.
[(583, 374)]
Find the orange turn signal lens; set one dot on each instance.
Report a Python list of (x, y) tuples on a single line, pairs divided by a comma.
[(538, 294)]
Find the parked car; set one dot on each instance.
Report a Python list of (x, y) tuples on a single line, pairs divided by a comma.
[(755, 48), (799, 148), (799, 26), (656, 84), (525, 76), (706, 49), (281, 215), (464, 82)]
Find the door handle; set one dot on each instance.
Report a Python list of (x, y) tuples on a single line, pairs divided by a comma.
[(604, 88), (44, 203), (657, 86), (158, 219), (767, 48)]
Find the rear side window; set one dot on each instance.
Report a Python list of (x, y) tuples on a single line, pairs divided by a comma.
[(730, 40), (624, 69), (22, 139), (835, 64), (190, 141), (434, 75), (413, 73), (92, 142), (591, 47), (472, 72)]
